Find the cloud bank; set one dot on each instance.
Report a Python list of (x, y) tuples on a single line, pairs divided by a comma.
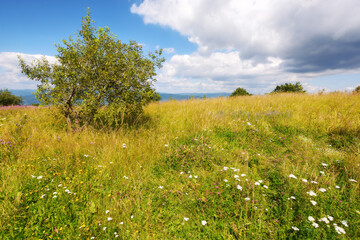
[(10, 72), (254, 41)]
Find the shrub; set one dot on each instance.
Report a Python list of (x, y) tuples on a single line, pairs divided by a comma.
[(357, 90), (240, 92), (97, 79), (289, 87), (7, 98)]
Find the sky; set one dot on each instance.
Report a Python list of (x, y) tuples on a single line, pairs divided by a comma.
[(209, 45)]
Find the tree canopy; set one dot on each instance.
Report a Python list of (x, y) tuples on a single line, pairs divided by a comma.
[(96, 78), (7, 98), (289, 87), (357, 89), (240, 92)]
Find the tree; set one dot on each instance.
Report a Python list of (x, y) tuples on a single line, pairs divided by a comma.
[(240, 92), (357, 89), (96, 78), (7, 98), (289, 87)]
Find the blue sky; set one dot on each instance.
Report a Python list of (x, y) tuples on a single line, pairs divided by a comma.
[(210, 46)]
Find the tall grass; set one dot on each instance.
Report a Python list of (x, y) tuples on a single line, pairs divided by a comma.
[(227, 161)]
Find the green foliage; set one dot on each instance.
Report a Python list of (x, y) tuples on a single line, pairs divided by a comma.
[(7, 98), (97, 79), (357, 90), (240, 92), (289, 87)]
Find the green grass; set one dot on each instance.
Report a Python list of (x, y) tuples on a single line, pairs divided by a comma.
[(226, 161)]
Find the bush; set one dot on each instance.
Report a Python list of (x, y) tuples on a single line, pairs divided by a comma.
[(240, 92), (7, 98), (289, 87), (357, 90), (97, 79)]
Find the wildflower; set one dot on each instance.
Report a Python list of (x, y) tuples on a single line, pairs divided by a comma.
[(249, 124), (313, 202), (132, 216), (124, 145), (54, 196), (225, 180), (295, 228), (100, 166), (352, 180), (345, 223), (260, 181), (186, 219), (311, 219), (292, 176), (324, 219), (86, 155), (247, 199), (55, 193), (42, 196), (338, 229), (239, 187), (203, 222), (292, 197), (337, 186), (311, 193), (226, 168), (59, 185), (314, 182), (265, 186), (92, 238), (39, 177), (166, 145), (104, 228), (243, 175), (330, 218), (257, 184), (107, 211), (126, 177), (161, 187), (109, 218), (315, 225), (322, 173), (236, 176), (190, 176), (195, 176), (33, 176), (67, 190), (324, 164), (304, 180), (322, 190), (121, 223), (181, 173)]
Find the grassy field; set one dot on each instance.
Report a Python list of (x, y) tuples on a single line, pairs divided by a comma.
[(281, 166)]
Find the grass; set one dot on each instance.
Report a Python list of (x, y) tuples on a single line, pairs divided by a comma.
[(227, 161)]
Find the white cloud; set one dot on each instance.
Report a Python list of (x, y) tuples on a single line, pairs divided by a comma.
[(10, 71), (257, 27), (169, 50), (257, 43)]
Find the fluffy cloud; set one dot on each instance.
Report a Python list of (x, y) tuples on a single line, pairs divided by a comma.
[(10, 72), (250, 39)]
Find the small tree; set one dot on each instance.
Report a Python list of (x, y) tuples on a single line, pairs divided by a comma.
[(240, 92), (289, 87), (357, 90), (7, 98), (97, 78)]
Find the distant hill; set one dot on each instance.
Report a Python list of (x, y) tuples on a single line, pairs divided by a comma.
[(29, 97)]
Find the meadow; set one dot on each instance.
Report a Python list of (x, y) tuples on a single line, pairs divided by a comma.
[(282, 166)]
